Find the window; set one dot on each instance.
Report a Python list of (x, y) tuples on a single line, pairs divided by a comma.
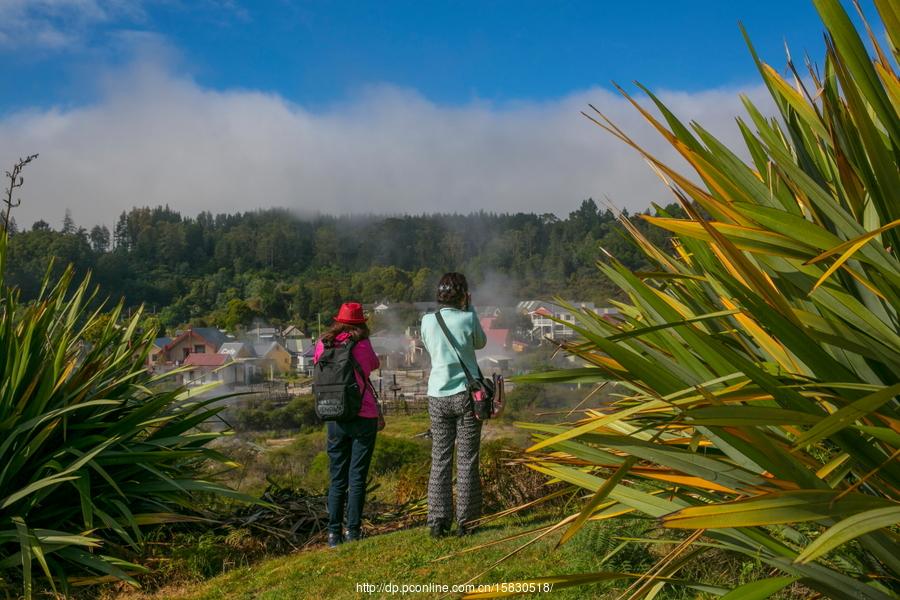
[(199, 349)]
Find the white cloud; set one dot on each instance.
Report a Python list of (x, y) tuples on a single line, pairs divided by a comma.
[(157, 138), (58, 24)]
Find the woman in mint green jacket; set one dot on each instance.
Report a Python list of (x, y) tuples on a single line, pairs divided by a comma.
[(450, 408)]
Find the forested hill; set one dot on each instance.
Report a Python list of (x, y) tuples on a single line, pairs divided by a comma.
[(231, 268)]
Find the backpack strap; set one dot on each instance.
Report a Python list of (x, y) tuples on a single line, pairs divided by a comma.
[(452, 343)]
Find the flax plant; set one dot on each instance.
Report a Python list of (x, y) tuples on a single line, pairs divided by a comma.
[(92, 450), (760, 360)]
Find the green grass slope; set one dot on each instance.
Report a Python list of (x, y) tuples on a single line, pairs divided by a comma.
[(411, 557)]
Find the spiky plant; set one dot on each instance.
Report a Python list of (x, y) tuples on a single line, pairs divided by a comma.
[(91, 451), (761, 359)]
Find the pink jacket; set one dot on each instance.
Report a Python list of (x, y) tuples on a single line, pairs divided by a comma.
[(368, 362)]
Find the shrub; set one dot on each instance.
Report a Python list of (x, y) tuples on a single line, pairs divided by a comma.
[(297, 415), (761, 357), (91, 452), (317, 475), (392, 453)]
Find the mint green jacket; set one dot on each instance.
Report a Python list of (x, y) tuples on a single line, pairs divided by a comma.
[(447, 377)]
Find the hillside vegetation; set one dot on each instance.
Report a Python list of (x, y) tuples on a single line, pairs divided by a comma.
[(228, 270)]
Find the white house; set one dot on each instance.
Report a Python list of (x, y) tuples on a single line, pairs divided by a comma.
[(209, 368), (244, 357), (297, 347), (544, 316)]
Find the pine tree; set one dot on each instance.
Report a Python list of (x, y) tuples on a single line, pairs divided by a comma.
[(120, 233), (99, 237), (68, 225)]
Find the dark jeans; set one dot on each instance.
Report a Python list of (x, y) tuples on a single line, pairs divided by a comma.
[(350, 446)]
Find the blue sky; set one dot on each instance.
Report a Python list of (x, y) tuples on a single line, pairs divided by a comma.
[(385, 107), (318, 53)]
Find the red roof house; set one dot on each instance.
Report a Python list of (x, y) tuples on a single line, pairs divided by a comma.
[(496, 337)]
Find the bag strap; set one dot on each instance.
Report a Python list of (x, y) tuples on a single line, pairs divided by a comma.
[(452, 343)]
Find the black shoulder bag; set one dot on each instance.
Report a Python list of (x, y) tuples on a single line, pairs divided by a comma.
[(485, 394)]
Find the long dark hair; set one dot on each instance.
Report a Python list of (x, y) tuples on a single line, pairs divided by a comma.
[(357, 332), (452, 290)]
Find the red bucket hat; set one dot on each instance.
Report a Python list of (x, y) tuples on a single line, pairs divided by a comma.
[(351, 313)]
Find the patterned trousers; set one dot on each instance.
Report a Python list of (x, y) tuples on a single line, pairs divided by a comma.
[(452, 421)]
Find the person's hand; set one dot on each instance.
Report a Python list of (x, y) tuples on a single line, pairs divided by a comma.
[(381, 423)]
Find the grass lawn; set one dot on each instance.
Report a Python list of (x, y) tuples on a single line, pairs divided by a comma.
[(411, 557), (408, 426)]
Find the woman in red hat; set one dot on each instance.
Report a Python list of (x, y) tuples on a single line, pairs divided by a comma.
[(351, 443)]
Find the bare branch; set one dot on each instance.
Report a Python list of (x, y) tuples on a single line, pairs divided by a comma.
[(15, 181)]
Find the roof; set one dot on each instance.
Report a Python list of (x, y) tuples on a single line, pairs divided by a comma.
[(495, 336), (292, 331), (264, 348), (202, 359), (162, 342), (532, 306), (264, 331), (210, 334), (297, 345), (235, 348)]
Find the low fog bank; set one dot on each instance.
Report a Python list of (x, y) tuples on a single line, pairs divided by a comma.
[(154, 137)]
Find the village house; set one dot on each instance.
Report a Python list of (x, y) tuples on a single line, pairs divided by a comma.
[(237, 350), (211, 368), (297, 347), (264, 334), (292, 331), (245, 360), (305, 363), (545, 315), (395, 351), (194, 340), (156, 351), (272, 358), (488, 312), (497, 337), (376, 308)]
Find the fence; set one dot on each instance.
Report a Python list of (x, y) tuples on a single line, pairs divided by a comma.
[(403, 392), (405, 405), (273, 393)]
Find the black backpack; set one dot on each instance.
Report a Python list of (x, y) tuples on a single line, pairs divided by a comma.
[(336, 390)]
